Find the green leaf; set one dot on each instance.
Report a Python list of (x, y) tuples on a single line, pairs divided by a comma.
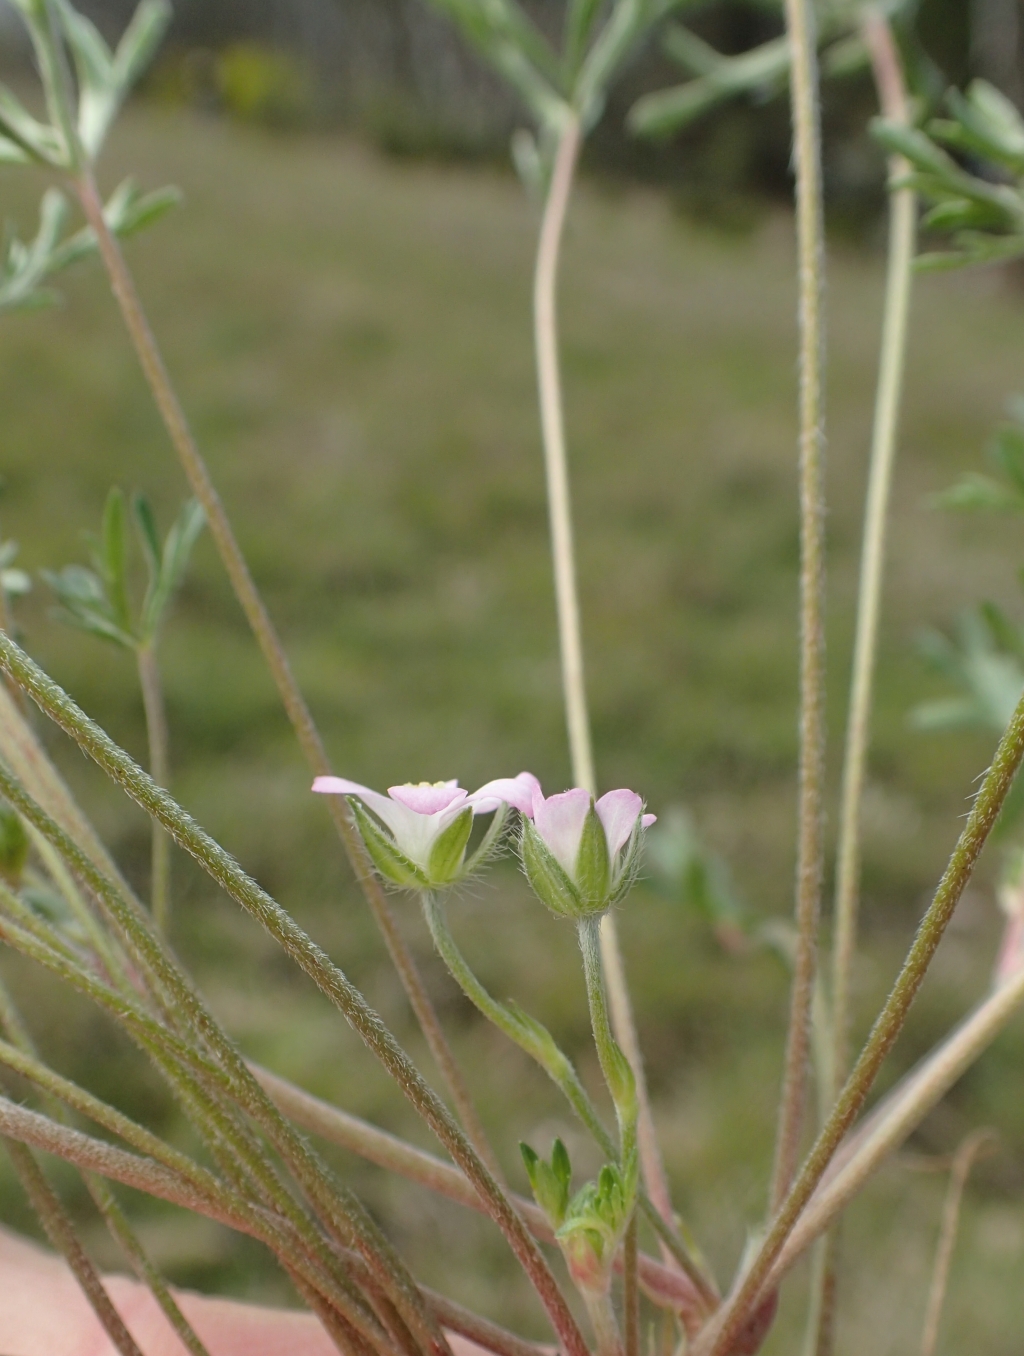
[(140, 42), (580, 18), (26, 266), (35, 139), (549, 1182), (975, 492), (762, 69), (114, 558), (449, 850), (514, 46), (145, 527), (84, 604), (173, 562)]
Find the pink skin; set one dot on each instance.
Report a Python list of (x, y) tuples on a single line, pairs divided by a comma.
[(43, 1313), (559, 821), (418, 814)]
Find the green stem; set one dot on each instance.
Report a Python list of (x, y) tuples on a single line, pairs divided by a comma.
[(614, 1065), (888, 1025), (159, 770), (297, 945), (538, 1043), (170, 409), (552, 413), (810, 846)]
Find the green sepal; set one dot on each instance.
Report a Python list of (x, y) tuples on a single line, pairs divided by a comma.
[(489, 842), (550, 882), (392, 864), (448, 854), (549, 1182), (593, 869)]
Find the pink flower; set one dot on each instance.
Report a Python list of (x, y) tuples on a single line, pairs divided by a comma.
[(429, 822), (580, 854)]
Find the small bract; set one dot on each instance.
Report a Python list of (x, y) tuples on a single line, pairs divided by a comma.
[(580, 855), (426, 825)]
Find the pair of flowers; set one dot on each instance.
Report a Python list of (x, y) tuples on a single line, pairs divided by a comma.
[(579, 854)]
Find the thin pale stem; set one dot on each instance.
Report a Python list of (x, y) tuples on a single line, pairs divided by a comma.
[(614, 1066), (159, 770), (962, 1164), (552, 414), (301, 949), (888, 1025), (810, 845), (895, 324), (176, 423), (899, 282)]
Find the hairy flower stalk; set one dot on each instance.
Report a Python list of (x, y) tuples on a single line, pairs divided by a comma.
[(800, 23)]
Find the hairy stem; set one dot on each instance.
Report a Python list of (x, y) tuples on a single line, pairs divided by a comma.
[(603, 1321), (301, 949), (899, 281), (159, 770), (800, 23), (888, 1025), (666, 1286), (173, 415)]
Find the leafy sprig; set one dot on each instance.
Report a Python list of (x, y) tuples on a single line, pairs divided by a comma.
[(97, 600), (978, 199)]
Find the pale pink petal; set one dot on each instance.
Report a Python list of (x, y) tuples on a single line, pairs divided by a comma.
[(619, 811), (427, 798), (559, 821), (648, 820), (338, 786), (515, 791)]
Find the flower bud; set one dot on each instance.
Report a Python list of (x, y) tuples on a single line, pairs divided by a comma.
[(581, 855)]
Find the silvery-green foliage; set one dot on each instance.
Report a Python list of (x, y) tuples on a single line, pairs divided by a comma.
[(97, 600), (985, 661), (26, 266), (556, 86), (759, 74), (79, 118), (980, 205), (1004, 492)]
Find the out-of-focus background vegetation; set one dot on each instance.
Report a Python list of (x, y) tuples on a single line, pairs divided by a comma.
[(350, 331)]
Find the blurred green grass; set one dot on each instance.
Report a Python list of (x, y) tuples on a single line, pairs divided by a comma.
[(351, 337)]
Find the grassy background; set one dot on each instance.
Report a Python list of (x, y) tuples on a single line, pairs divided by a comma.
[(351, 339)]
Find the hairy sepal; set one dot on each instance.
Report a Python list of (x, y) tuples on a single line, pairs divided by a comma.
[(392, 864)]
